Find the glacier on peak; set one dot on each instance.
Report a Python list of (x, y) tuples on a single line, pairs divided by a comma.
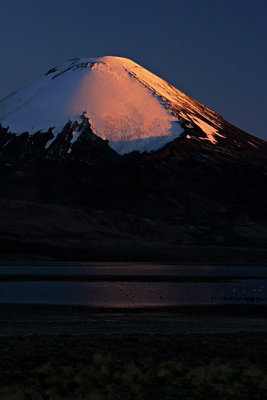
[(126, 104)]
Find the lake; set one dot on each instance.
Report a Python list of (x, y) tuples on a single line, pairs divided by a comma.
[(131, 298), (132, 285)]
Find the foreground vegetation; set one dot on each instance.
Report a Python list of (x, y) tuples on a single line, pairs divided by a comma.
[(92, 368)]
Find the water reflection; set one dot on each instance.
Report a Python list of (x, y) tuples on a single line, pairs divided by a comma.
[(135, 294)]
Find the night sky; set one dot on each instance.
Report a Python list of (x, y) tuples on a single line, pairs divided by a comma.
[(214, 51)]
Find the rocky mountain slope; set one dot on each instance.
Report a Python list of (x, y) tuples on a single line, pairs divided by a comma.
[(115, 163)]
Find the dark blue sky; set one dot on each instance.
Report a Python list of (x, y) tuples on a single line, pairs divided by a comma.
[(213, 50)]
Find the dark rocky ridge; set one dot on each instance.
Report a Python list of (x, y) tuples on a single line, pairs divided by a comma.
[(84, 201)]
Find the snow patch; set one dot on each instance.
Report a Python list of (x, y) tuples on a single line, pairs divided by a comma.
[(209, 130), (252, 144), (75, 136), (50, 141), (146, 144)]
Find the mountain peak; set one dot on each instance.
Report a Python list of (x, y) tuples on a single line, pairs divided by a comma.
[(86, 62), (127, 105)]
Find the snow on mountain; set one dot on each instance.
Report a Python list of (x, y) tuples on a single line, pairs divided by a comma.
[(126, 104)]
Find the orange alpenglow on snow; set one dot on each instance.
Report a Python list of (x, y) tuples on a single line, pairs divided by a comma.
[(125, 103)]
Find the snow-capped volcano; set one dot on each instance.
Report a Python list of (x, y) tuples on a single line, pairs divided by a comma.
[(102, 160), (125, 104)]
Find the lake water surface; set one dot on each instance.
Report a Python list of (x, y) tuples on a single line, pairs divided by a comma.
[(132, 285)]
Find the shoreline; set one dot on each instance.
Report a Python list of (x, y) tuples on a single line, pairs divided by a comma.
[(54, 320), (19, 251)]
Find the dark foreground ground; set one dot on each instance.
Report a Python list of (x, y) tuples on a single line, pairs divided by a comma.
[(196, 366), (73, 353)]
